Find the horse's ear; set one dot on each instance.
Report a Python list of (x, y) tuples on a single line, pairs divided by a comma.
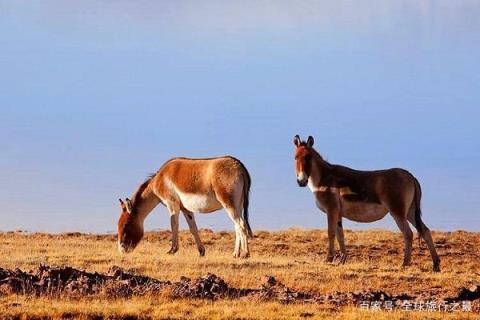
[(121, 203), (297, 141), (129, 205), (310, 141)]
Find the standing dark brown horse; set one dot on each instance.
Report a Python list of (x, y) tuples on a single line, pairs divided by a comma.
[(362, 196)]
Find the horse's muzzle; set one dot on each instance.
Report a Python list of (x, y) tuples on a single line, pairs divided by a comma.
[(124, 248), (302, 183), (302, 179)]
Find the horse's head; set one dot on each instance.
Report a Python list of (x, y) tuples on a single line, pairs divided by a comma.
[(130, 230), (303, 159)]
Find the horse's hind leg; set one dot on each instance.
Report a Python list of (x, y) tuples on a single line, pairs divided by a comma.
[(402, 224), (192, 225), (428, 239), (230, 198), (241, 240)]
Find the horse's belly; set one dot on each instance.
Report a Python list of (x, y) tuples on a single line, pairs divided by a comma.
[(363, 211), (202, 203)]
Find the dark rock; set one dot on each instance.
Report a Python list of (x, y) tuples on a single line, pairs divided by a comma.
[(269, 281)]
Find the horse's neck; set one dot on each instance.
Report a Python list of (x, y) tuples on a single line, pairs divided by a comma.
[(320, 170), (145, 203)]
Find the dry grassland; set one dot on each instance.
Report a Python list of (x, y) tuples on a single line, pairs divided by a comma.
[(294, 257)]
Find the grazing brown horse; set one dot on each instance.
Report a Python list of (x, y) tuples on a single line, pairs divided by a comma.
[(362, 196), (189, 186)]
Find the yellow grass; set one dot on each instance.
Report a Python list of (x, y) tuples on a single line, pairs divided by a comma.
[(294, 257), (193, 309)]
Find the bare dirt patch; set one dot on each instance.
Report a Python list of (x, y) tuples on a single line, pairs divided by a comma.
[(70, 282)]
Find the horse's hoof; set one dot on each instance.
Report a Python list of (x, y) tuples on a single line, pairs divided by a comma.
[(244, 255), (201, 252), (406, 264), (436, 267), (172, 251), (343, 258), (236, 254), (329, 259)]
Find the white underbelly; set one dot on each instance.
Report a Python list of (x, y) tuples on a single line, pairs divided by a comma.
[(202, 203), (362, 211)]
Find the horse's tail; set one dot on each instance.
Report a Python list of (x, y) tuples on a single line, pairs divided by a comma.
[(247, 182), (416, 204)]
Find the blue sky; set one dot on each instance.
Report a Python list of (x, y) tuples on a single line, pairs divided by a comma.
[(96, 95)]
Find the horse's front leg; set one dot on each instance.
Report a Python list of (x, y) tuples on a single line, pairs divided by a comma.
[(174, 215), (341, 241), (194, 230), (332, 216)]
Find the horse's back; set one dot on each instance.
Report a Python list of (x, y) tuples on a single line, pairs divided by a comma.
[(375, 192), (202, 183), (193, 175), (206, 168)]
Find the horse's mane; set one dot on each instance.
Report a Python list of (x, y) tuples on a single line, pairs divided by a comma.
[(319, 159), (141, 188)]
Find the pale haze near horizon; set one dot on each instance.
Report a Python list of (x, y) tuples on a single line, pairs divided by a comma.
[(96, 95)]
